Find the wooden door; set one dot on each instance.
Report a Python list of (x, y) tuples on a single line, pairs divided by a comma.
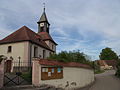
[(8, 65)]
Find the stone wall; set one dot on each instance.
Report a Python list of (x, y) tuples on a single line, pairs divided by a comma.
[(1, 73), (73, 77)]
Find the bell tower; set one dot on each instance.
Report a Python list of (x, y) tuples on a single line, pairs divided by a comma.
[(43, 24), (43, 31)]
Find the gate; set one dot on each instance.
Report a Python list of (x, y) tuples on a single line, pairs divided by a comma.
[(17, 73)]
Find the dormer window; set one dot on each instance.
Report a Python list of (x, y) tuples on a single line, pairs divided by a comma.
[(9, 49)]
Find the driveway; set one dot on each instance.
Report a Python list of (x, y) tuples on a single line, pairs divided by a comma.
[(106, 81)]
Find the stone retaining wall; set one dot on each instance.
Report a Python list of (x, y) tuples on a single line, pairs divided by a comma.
[(73, 77)]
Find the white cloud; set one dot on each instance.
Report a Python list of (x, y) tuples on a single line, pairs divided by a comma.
[(94, 22)]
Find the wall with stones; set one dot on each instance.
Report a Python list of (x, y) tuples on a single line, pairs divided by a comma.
[(73, 77)]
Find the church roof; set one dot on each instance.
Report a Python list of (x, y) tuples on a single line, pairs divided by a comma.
[(46, 36), (43, 18), (24, 34)]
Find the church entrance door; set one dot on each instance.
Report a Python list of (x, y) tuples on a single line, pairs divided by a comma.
[(8, 65)]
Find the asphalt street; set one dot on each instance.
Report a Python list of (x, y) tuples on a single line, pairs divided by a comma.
[(106, 81)]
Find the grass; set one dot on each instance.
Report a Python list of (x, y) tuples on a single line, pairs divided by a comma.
[(99, 71), (27, 76)]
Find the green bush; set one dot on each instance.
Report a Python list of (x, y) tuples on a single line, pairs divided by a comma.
[(71, 56), (118, 69), (27, 76)]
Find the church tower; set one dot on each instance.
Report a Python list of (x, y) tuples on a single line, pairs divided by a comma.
[(43, 31), (43, 24)]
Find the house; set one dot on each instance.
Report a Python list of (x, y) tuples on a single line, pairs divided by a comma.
[(26, 44), (107, 64)]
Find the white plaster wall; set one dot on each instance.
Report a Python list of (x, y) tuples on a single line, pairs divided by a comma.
[(49, 43), (40, 51), (80, 76), (18, 49), (22, 49)]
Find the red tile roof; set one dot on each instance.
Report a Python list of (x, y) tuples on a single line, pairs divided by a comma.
[(102, 62), (25, 34), (111, 62), (46, 36), (58, 63), (107, 62)]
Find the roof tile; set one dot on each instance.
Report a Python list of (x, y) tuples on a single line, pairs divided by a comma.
[(24, 34)]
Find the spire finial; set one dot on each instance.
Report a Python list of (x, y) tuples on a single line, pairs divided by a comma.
[(44, 6)]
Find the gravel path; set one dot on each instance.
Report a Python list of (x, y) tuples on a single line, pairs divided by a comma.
[(106, 81)]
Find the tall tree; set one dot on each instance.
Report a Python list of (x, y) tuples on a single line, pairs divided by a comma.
[(108, 54)]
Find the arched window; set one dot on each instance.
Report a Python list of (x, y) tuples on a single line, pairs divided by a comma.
[(9, 49)]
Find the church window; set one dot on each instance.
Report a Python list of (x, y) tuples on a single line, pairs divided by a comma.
[(9, 49), (44, 53), (52, 47), (42, 29), (50, 54), (35, 51)]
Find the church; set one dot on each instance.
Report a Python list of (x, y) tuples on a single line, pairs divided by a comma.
[(27, 44)]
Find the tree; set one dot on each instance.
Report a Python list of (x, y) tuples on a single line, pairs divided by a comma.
[(108, 54), (71, 56), (118, 69)]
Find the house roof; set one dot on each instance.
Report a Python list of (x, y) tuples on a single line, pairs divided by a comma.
[(102, 62), (58, 63), (107, 62), (111, 62), (25, 34), (46, 36)]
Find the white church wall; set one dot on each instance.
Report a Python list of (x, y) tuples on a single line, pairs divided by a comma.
[(51, 45), (18, 49), (40, 51), (23, 49)]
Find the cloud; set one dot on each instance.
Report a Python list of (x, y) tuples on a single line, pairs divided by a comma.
[(88, 25)]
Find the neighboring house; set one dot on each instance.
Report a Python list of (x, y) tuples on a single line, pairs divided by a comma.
[(112, 63), (107, 64), (26, 44)]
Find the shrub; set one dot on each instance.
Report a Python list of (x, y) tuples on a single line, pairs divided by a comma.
[(118, 69), (71, 56)]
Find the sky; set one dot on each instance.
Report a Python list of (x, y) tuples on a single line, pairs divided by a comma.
[(85, 25)]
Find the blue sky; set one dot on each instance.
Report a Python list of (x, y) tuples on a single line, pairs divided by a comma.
[(87, 25)]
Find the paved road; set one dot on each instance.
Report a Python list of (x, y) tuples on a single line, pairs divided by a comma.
[(106, 81)]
